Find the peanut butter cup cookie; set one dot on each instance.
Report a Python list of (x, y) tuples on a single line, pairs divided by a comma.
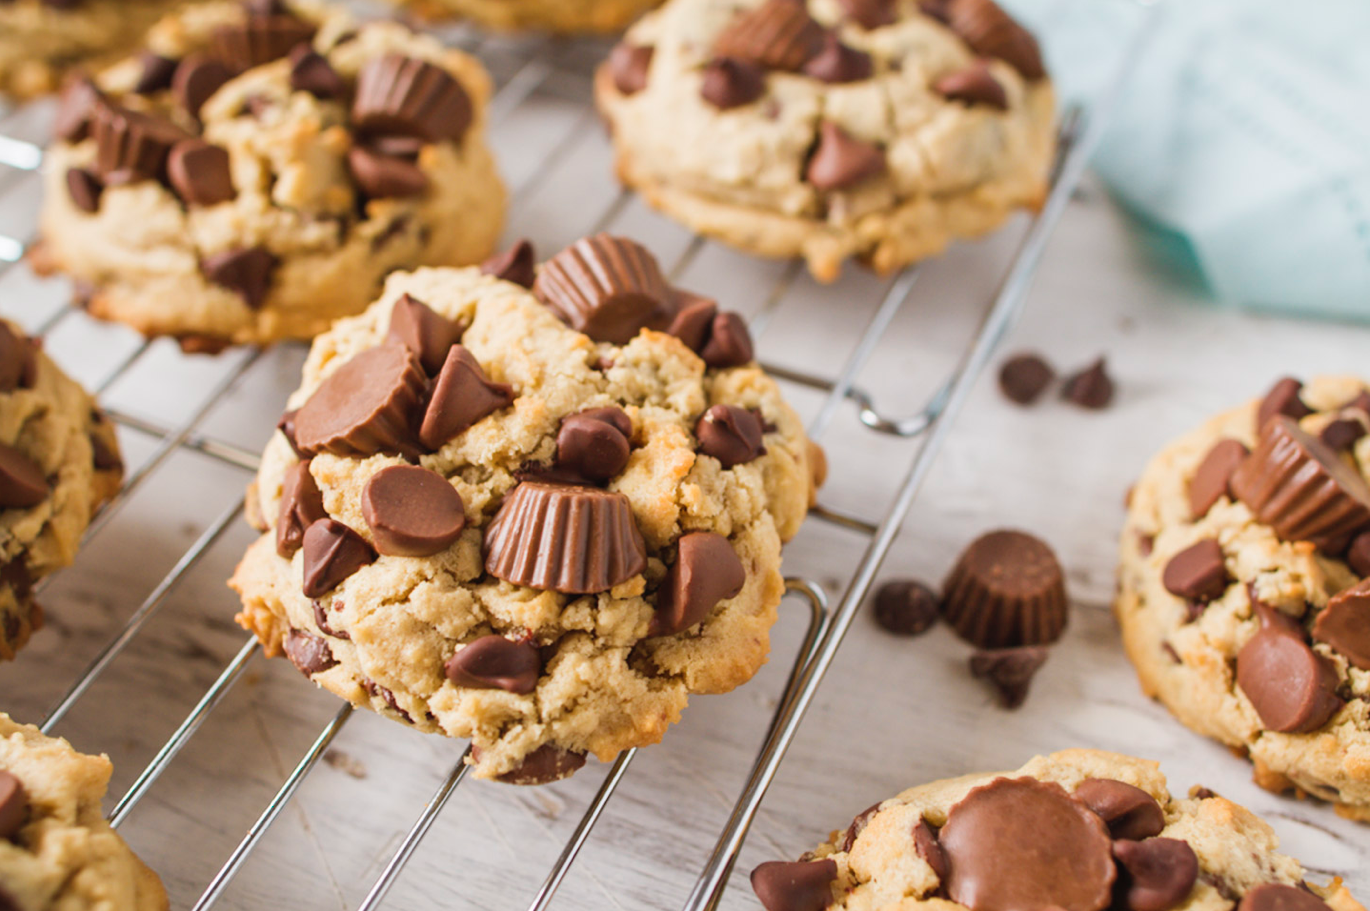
[(546, 15), (829, 129), (533, 510), (1079, 830), (259, 171), (1243, 592)]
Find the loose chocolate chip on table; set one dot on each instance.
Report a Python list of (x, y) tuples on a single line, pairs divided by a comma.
[(544, 765), (14, 805), (156, 74), (1342, 434), (311, 72), (991, 32), (411, 511), (495, 663), (926, 844), (427, 335), (332, 553), (731, 82), (131, 146), (1007, 589), (837, 63), (595, 444), (798, 886), (1210, 481), (1279, 897), (1358, 554), (706, 571), (973, 85), (301, 507), (1010, 670), (246, 272), (1282, 399), (22, 484), (1156, 874), (840, 160), (1292, 688), (778, 35), (75, 108), (200, 173), (308, 652), (1345, 625), (513, 265), (84, 188), (1091, 387), (196, 80), (1128, 811), (730, 434), (906, 607), (1024, 377), (1197, 573), (869, 14), (628, 66), (381, 176), (405, 96), (608, 288), (365, 406), (462, 395), (858, 825), (259, 40)]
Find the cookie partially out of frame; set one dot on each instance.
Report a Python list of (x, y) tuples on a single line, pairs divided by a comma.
[(831, 129), (1243, 593), (538, 514), (1078, 830), (59, 460), (565, 16), (259, 172)]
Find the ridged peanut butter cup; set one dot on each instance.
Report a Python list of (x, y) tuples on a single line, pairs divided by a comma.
[(1007, 589), (364, 407), (606, 287)]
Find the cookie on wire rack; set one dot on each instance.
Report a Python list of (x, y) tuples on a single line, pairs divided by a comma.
[(561, 16), (261, 168), (831, 129), (533, 509)]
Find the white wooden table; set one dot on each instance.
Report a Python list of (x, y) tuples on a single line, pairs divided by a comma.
[(892, 712)]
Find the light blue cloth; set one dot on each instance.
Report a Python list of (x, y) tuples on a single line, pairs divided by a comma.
[(1245, 133)]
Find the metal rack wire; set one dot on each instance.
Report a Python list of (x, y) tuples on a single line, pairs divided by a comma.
[(1080, 131)]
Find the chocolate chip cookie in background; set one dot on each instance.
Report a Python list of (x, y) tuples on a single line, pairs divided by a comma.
[(831, 129), (1079, 830), (59, 460), (1242, 593), (259, 170), (539, 518), (56, 849), (564, 16)]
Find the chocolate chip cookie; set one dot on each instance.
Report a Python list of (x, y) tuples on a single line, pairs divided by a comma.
[(59, 460), (546, 15), (533, 509), (1079, 830), (56, 850), (830, 129), (1243, 592), (262, 167)]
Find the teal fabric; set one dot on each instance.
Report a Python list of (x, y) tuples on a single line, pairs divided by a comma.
[(1244, 135)]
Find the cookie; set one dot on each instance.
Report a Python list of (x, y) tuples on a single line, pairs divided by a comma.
[(564, 16), (56, 849), (59, 460), (1240, 562), (829, 129), (536, 518), (1080, 830), (259, 172)]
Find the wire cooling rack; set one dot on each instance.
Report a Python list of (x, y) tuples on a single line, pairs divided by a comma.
[(523, 71)]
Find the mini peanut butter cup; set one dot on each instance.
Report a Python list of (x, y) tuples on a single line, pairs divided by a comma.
[(609, 288), (260, 40), (131, 146), (405, 96), (1006, 590), (574, 540), (365, 406), (778, 35)]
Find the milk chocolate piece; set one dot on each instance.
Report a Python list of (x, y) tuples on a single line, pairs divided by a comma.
[(365, 406), (1156, 874), (1197, 573), (411, 511), (607, 287), (309, 653), (381, 176), (16, 359), (1292, 688), (706, 571), (14, 805), (75, 108), (311, 72), (926, 844), (1128, 811), (991, 32), (84, 188), (199, 173), (798, 886), (1010, 670), (1282, 399), (858, 825), (156, 74), (404, 96), (869, 14), (1279, 897), (906, 607), (722, 340), (1342, 434), (595, 444), (22, 484), (730, 434), (778, 35), (546, 764), (836, 63), (513, 265), (259, 40), (426, 334), (131, 146), (195, 81), (1345, 625), (731, 82), (1091, 387), (1006, 590), (973, 85), (246, 272), (1210, 481), (332, 553), (301, 507), (1358, 554), (628, 66), (495, 663), (462, 395), (1024, 377), (841, 160)]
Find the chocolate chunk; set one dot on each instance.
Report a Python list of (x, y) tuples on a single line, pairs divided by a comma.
[(17, 361), (196, 80), (1279, 897), (574, 540), (308, 652), (200, 173), (322, 622), (1197, 573), (1345, 625), (1282, 399), (84, 188), (259, 40), (594, 444), (1010, 670), (1358, 554), (246, 272), (1021, 843), (363, 407), (926, 845), (1128, 811), (75, 108), (991, 32), (427, 335), (1210, 481), (22, 484), (706, 571), (1292, 688), (869, 14), (1342, 434), (131, 146), (1006, 590), (693, 320), (286, 425), (311, 72), (495, 663), (332, 553), (513, 265), (462, 395), (607, 287), (1302, 489), (840, 161), (1156, 874), (411, 511), (858, 825), (156, 74), (973, 85), (405, 96), (729, 343), (836, 63), (385, 176), (544, 765), (778, 35), (730, 434), (1024, 377), (14, 805), (905, 607), (628, 67), (731, 82), (1090, 388), (799, 886), (104, 454), (301, 507)]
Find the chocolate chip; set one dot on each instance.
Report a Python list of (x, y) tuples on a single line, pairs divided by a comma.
[(332, 553), (729, 343), (1358, 554), (84, 188), (905, 607), (301, 507), (363, 407), (200, 173), (1279, 897), (1010, 670), (730, 434), (926, 845), (731, 82), (246, 272), (427, 335), (799, 886), (546, 764), (693, 320), (869, 14), (991, 32), (14, 805), (1007, 589), (1090, 388), (131, 146), (840, 161), (75, 108), (322, 622), (104, 454), (973, 85), (260, 40), (858, 825), (513, 265), (595, 444), (706, 571), (1210, 481), (1345, 625), (836, 63), (1292, 688), (462, 395), (628, 66), (405, 96), (411, 511), (308, 652), (1128, 811), (286, 425), (1283, 398), (385, 176), (156, 75), (22, 484), (388, 697), (495, 663), (311, 72), (607, 287), (1342, 434), (1156, 874), (196, 80), (1024, 377), (17, 361), (1197, 573)]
